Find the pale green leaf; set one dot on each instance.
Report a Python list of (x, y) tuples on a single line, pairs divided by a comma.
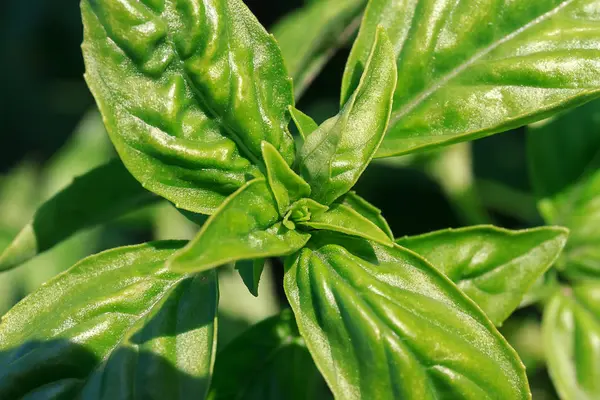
[(305, 124), (188, 91), (381, 323), (117, 325), (336, 154), (493, 266), (472, 68), (367, 210)]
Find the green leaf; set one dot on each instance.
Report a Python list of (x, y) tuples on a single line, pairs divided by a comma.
[(571, 329), (336, 154), (569, 190), (286, 185), (305, 124), (251, 271), (100, 195), (246, 226), (381, 323), (344, 219), (367, 210), (493, 266), (117, 325), (188, 91), (310, 36), (469, 69), (268, 362)]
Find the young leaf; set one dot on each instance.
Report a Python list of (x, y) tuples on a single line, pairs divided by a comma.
[(286, 185), (268, 362), (344, 219), (305, 124), (335, 155), (332, 23), (571, 329), (251, 271), (381, 323), (570, 195), (472, 68), (494, 267), (100, 195), (116, 325), (188, 91), (246, 226), (367, 210)]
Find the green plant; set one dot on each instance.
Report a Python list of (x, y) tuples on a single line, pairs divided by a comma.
[(196, 98)]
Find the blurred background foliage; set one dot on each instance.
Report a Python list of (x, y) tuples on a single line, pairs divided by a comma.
[(52, 133)]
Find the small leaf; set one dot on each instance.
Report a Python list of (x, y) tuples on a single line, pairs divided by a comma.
[(305, 124), (246, 226), (251, 271), (494, 267), (332, 23), (95, 198), (117, 325), (571, 329), (381, 323), (286, 185), (267, 362), (471, 68), (336, 154), (344, 219), (570, 192), (188, 91), (367, 210)]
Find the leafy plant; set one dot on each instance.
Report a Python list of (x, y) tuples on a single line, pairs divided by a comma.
[(197, 98)]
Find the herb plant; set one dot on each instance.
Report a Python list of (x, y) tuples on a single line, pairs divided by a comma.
[(197, 99)]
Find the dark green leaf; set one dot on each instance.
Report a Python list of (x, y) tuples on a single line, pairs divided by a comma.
[(471, 68), (310, 36), (188, 91), (268, 362), (335, 155), (367, 210), (571, 330), (251, 271), (494, 267), (246, 226), (381, 323), (565, 160), (305, 124), (117, 325), (100, 195), (286, 185)]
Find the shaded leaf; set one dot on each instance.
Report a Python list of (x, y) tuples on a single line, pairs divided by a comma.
[(367, 210), (251, 271)]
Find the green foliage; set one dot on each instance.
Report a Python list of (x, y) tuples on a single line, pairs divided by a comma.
[(196, 97)]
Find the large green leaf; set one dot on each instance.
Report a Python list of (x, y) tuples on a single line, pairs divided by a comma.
[(569, 190), (310, 36), (381, 323), (336, 154), (188, 91), (117, 325), (471, 68), (246, 226), (100, 195), (494, 267), (571, 329), (268, 362)]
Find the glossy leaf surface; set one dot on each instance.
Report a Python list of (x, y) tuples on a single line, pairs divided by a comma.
[(186, 109), (247, 226), (335, 155), (95, 198), (569, 190), (305, 124), (251, 271), (268, 362), (468, 69), (381, 323), (117, 325), (494, 267), (571, 330), (367, 210), (286, 185), (310, 36)]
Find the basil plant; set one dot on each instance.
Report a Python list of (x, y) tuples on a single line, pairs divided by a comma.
[(199, 102)]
